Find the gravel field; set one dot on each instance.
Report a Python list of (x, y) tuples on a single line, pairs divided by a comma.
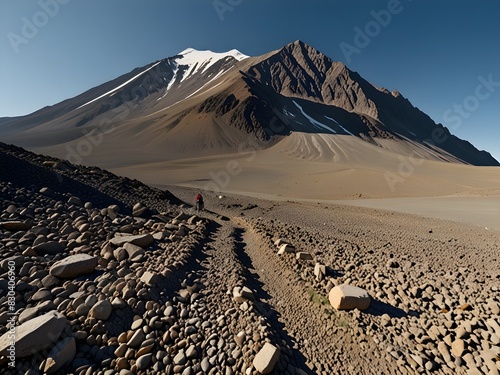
[(115, 277)]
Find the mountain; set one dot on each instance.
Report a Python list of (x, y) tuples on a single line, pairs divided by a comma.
[(204, 104)]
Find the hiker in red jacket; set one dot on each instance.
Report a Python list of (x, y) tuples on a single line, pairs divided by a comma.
[(199, 202)]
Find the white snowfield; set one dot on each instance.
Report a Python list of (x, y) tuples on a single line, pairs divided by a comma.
[(200, 61), (197, 62)]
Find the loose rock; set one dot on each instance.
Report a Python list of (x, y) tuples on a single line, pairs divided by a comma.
[(74, 266), (348, 297), (266, 358), (35, 334)]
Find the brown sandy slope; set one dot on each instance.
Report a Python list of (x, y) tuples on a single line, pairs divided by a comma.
[(322, 167), (318, 167)]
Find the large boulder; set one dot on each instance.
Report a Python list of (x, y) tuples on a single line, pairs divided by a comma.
[(14, 226), (137, 338), (458, 348), (48, 248), (120, 254), (60, 355), (286, 248), (243, 294), (75, 201), (35, 334), (141, 240), (266, 358), (143, 361), (149, 278), (15, 260), (31, 312), (348, 297), (133, 251), (302, 255), (139, 210), (101, 310), (74, 266)]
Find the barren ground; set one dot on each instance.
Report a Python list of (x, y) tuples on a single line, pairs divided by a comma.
[(434, 283), (392, 254)]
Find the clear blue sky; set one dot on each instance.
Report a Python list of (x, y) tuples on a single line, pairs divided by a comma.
[(433, 51)]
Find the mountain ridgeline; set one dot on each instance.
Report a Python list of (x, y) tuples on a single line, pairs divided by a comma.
[(201, 103)]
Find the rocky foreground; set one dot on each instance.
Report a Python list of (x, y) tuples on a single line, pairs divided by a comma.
[(103, 275)]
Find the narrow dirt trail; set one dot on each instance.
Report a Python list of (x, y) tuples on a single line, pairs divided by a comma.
[(328, 346), (225, 266)]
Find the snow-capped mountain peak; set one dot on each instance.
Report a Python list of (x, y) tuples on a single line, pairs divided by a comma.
[(183, 66), (191, 62), (212, 99), (200, 61)]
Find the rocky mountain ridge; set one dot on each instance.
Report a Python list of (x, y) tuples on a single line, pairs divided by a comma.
[(216, 100)]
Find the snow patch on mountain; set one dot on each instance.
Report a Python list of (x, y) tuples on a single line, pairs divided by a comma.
[(111, 92), (197, 62), (200, 61), (174, 76), (316, 123), (335, 121)]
